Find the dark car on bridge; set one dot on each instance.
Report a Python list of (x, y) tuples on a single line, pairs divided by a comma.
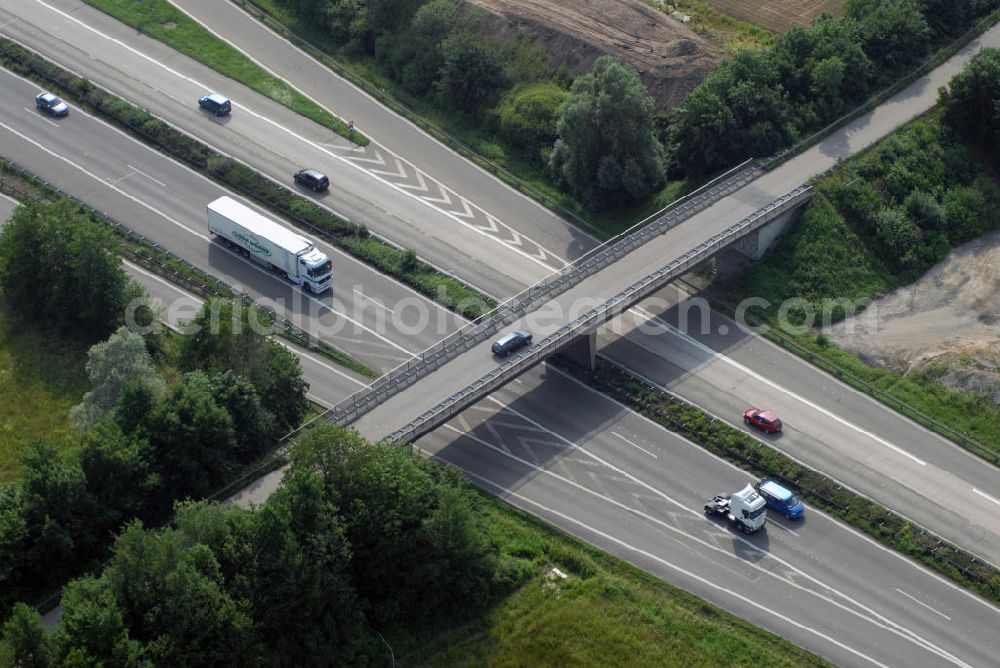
[(51, 104), (511, 341), (766, 421)]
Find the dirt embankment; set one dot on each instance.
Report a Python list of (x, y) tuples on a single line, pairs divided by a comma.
[(670, 57), (948, 321)]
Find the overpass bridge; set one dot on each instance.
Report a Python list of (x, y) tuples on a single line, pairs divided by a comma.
[(564, 311)]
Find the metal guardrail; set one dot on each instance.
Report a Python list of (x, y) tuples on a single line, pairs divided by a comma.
[(596, 316), (486, 325)]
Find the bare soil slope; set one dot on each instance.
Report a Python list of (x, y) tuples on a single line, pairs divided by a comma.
[(949, 320), (670, 57)]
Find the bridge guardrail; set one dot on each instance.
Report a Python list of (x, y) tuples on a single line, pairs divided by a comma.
[(596, 316), (486, 325)]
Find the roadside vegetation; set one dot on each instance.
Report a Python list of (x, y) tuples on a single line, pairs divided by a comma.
[(368, 551), (879, 222), (162, 21), (355, 239), (758, 102), (41, 377), (814, 487)]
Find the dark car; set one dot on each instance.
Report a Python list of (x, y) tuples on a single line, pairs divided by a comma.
[(51, 104), (312, 179), (215, 103), (511, 341), (780, 499), (764, 420)]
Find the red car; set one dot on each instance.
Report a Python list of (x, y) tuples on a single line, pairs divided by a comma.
[(764, 420)]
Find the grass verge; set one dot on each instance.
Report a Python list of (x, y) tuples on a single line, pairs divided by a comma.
[(605, 613), (41, 378), (727, 442), (162, 21)]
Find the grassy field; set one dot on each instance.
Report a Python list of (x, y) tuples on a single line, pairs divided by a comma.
[(606, 613), (41, 378), (161, 20), (775, 15)]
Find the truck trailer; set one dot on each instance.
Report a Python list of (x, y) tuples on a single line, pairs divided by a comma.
[(746, 509), (270, 244)]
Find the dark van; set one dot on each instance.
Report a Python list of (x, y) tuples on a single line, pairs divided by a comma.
[(215, 103), (780, 499)]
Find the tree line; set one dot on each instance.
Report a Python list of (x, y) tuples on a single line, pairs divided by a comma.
[(599, 136), (358, 542), (143, 442), (887, 216)]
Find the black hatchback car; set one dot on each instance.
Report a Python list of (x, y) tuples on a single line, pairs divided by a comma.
[(312, 179), (511, 341), (215, 103)]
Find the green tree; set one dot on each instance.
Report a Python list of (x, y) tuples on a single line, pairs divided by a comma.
[(302, 568), (58, 513), (91, 629), (606, 152), (223, 336), (282, 389), (121, 359), (528, 114), (191, 437), (894, 33), (119, 474), (254, 426), (173, 600), (25, 642), (58, 265), (14, 536), (898, 235), (472, 72), (924, 210), (418, 57), (396, 510), (971, 101)]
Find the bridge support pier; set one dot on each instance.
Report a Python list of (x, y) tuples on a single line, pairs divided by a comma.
[(583, 351), (755, 244)]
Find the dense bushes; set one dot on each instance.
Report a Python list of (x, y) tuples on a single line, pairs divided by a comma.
[(146, 448), (881, 221), (358, 537), (971, 102), (758, 102)]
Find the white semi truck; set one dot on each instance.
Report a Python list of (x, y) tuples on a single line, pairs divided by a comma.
[(746, 509), (270, 244)]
